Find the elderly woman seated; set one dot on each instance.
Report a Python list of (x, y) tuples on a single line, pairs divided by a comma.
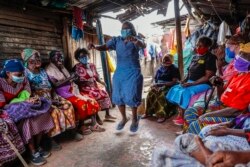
[(85, 106), (201, 69), (62, 110), (166, 76), (235, 98), (31, 115), (193, 151), (89, 81)]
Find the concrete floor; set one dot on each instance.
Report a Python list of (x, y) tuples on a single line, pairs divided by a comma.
[(110, 150)]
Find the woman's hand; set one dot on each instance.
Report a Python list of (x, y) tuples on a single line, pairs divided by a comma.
[(187, 84), (225, 159), (219, 131), (33, 100), (91, 46)]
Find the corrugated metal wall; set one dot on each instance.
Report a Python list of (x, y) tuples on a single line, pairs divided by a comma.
[(19, 29)]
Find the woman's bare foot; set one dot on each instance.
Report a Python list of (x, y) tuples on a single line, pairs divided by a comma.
[(201, 153)]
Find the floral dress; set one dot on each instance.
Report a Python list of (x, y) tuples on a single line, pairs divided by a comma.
[(91, 87)]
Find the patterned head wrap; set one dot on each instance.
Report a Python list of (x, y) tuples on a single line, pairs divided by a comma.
[(27, 54), (12, 65)]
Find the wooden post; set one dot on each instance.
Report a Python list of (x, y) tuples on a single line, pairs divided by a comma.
[(105, 69), (178, 37), (67, 44)]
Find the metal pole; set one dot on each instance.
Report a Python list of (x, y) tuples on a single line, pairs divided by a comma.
[(178, 36), (105, 69)]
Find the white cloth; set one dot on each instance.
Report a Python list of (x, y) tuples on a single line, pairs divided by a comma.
[(224, 31)]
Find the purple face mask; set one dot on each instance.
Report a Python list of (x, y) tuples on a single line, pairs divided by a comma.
[(241, 64)]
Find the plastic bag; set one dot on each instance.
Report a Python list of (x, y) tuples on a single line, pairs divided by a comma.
[(111, 63)]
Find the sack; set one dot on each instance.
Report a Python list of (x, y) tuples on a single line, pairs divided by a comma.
[(111, 63)]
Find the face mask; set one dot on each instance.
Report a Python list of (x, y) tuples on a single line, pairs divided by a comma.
[(201, 51), (126, 32), (241, 64), (229, 53), (17, 79), (84, 60)]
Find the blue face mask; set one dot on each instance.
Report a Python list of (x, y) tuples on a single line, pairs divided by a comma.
[(229, 55), (126, 32), (84, 60), (17, 79)]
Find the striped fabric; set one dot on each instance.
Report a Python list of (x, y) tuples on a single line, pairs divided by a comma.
[(193, 125), (196, 126)]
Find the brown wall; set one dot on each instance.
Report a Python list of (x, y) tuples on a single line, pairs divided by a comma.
[(40, 30)]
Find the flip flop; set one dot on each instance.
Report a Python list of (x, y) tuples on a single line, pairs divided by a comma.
[(161, 120), (97, 128), (110, 117), (86, 131), (121, 125)]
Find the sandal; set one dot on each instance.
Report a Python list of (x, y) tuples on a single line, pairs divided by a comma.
[(108, 117), (161, 120), (97, 128), (85, 130)]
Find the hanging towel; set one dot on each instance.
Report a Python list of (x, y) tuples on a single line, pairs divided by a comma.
[(224, 31)]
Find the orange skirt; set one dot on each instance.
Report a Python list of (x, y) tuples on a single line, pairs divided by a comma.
[(84, 108)]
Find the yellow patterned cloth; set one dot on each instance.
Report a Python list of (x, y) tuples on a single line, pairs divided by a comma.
[(245, 47)]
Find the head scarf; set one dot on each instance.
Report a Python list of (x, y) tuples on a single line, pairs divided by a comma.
[(27, 54), (12, 65), (245, 47)]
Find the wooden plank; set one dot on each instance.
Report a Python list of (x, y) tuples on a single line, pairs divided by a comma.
[(23, 46), (26, 25), (31, 13), (28, 32), (25, 20), (17, 51), (57, 42)]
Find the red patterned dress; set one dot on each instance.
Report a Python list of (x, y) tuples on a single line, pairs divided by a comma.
[(91, 87)]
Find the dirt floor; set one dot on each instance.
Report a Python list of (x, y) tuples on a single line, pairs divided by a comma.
[(110, 150)]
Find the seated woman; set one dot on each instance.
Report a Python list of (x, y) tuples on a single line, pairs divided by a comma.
[(166, 76), (62, 110), (88, 81), (201, 69), (226, 74), (84, 106), (191, 150), (32, 122), (235, 98)]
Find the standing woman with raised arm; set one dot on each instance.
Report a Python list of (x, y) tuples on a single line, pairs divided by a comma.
[(127, 80)]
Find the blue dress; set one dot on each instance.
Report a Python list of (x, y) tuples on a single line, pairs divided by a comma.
[(127, 80)]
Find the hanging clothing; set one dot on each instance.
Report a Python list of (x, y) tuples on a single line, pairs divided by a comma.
[(127, 79), (28, 127), (89, 86), (84, 106), (224, 31), (62, 112)]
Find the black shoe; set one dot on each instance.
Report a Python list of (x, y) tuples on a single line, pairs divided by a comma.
[(55, 146), (44, 154), (37, 160)]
